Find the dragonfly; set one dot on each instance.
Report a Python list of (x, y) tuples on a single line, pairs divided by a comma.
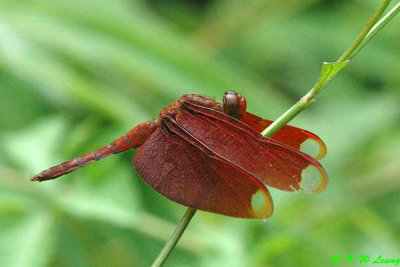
[(211, 156)]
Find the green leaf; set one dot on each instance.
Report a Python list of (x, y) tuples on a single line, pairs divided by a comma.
[(329, 70)]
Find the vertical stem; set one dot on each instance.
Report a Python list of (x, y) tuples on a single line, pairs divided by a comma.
[(170, 245)]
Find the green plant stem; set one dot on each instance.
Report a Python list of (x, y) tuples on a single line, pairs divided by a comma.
[(356, 43), (377, 27), (309, 97), (170, 245), (366, 34)]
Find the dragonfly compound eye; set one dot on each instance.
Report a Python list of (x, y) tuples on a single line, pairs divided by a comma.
[(234, 104)]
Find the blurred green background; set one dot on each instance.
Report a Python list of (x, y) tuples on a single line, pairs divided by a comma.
[(75, 75)]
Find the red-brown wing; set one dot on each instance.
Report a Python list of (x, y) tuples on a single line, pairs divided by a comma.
[(185, 171), (297, 138), (273, 162)]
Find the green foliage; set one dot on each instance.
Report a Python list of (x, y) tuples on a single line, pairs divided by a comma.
[(329, 70), (75, 75)]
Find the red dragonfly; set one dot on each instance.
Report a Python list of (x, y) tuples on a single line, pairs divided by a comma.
[(211, 156)]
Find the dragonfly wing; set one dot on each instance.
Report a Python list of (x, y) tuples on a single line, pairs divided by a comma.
[(276, 164), (297, 138), (185, 171)]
